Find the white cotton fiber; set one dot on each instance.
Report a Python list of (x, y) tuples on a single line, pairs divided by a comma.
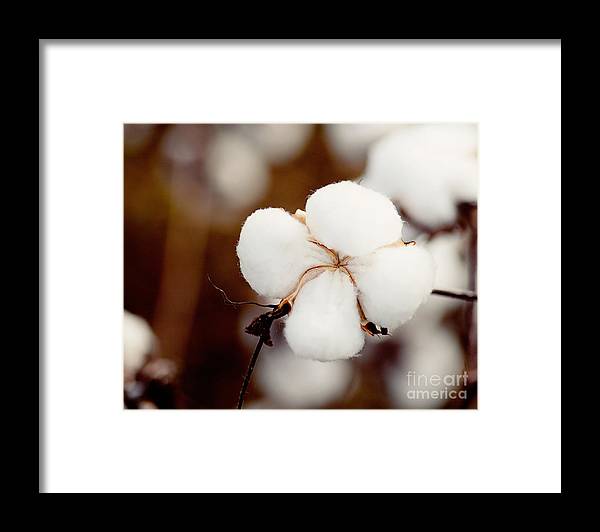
[(427, 169), (351, 219), (293, 382), (138, 342), (274, 252), (393, 282), (324, 323)]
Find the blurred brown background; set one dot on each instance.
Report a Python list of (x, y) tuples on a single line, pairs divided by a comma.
[(188, 189)]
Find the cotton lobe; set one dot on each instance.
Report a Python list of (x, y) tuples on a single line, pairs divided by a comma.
[(274, 252), (393, 282), (324, 324), (352, 219)]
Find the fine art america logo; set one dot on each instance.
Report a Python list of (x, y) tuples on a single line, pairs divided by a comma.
[(432, 387)]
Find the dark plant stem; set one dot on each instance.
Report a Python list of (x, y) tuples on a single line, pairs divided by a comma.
[(249, 372), (465, 295)]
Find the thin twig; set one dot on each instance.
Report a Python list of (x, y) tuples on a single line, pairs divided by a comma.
[(464, 295), (237, 303), (249, 372)]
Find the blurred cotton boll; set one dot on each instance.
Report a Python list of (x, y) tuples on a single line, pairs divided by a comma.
[(350, 142), (184, 144), (279, 143), (431, 367), (428, 170), (449, 254), (236, 169), (292, 382), (138, 342)]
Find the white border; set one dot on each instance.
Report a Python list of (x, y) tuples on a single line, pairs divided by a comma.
[(511, 444)]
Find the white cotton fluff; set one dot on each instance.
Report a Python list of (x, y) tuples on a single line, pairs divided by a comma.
[(351, 219), (324, 323), (436, 351), (393, 282), (293, 382), (274, 252), (427, 169), (138, 342), (237, 171)]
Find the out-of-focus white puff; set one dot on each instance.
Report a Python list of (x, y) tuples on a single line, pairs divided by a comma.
[(427, 169), (350, 142), (183, 144), (436, 351), (138, 342), (274, 252), (448, 251), (289, 381), (352, 219), (279, 143), (393, 282), (324, 323), (237, 170)]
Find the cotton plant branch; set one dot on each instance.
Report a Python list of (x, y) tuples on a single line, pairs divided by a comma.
[(261, 326), (464, 295)]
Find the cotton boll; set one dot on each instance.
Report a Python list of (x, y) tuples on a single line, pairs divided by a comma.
[(293, 382), (427, 170), (436, 352), (393, 282), (138, 342), (278, 142), (274, 252), (350, 142), (324, 323), (352, 219), (236, 170)]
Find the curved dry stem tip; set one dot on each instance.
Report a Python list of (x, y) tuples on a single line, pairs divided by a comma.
[(237, 303)]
